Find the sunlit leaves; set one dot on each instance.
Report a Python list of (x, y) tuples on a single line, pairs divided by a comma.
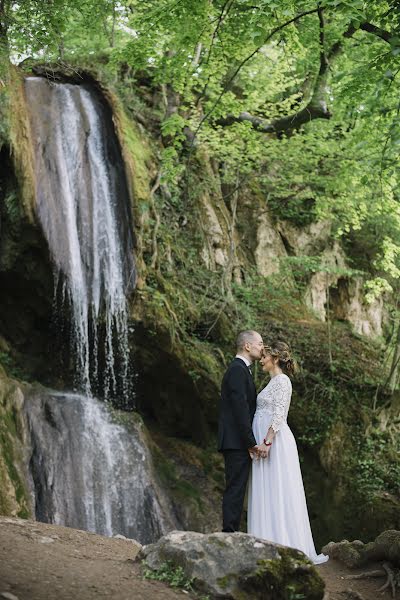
[(212, 56), (40, 28), (376, 287)]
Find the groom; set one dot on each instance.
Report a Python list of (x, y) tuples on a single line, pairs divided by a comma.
[(235, 436)]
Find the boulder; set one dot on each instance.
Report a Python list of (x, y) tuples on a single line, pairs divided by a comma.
[(349, 553), (386, 547), (237, 566)]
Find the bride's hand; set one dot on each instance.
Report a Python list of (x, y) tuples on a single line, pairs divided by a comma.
[(265, 450), (260, 451)]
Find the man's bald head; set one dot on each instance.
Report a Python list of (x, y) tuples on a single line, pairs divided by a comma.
[(249, 343), (245, 337)]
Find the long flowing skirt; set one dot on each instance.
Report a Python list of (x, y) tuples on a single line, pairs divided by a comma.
[(277, 509)]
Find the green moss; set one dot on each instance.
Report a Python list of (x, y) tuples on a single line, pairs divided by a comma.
[(130, 420), (4, 99), (225, 581), (287, 578), (10, 459), (182, 490), (8, 361), (140, 156), (217, 542), (21, 143), (14, 495)]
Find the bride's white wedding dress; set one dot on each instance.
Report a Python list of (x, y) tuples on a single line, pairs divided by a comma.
[(277, 509)]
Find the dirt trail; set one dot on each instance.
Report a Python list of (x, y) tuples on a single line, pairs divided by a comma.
[(338, 587), (48, 562)]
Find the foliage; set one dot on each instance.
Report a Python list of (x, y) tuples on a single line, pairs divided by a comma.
[(259, 298), (11, 365), (214, 61), (168, 573), (378, 467), (36, 28), (342, 168), (13, 208)]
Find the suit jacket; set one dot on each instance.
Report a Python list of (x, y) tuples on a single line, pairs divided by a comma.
[(237, 408)]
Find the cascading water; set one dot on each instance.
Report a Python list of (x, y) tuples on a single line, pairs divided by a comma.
[(98, 478), (87, 471), (82, 204)]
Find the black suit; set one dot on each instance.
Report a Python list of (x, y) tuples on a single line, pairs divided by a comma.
[(235, 437)]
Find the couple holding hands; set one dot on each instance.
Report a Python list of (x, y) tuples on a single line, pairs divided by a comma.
[(254, 427)]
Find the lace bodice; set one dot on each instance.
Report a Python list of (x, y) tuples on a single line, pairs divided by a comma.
[(275, 399)]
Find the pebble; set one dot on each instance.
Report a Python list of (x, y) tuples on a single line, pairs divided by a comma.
[(46, 540), (8, 596)]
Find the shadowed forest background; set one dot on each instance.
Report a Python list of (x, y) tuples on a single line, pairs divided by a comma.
[(259, 141)]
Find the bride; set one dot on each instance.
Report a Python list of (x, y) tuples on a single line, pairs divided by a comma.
[(277, 508)]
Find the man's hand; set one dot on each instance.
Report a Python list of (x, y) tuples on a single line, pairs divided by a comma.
[(259, 451), (253, 451)]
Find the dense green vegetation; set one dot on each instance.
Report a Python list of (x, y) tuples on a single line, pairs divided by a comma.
[(301, 95)]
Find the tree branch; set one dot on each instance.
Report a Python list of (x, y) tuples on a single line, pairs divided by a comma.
[(381, 33), (4, 21), (316, 106), (224, 12), (323, 61), (284, 124), (244, 61)]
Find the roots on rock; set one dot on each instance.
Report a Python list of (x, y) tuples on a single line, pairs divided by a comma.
[(392, 577)]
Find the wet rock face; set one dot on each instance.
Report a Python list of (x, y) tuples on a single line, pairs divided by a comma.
[(14, 493), (237, 566), (90, 472), (26, 277), (82, 203)]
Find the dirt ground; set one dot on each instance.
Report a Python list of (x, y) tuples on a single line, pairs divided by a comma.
[(48, 562), (338, 587)]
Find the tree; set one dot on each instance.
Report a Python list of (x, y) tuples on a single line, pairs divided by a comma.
[(302, 92), (50, 29)]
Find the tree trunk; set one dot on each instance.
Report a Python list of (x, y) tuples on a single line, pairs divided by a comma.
[(393, 377), (114, 17), (61, 49), (4, 21), (4, 46)]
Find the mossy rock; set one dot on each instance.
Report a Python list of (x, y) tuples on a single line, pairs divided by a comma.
[(192, 477), (14, 493), (284, 578), (237, 566)]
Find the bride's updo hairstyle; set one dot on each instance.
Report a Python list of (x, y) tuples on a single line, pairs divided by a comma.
[(281, 350)]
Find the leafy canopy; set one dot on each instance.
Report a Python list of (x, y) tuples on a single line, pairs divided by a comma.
[(300, 96)]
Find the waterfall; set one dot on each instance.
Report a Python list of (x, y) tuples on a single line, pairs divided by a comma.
[(88, 471), (99, 476), (82, 204)]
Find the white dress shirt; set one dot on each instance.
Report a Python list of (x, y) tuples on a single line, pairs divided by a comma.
[(246, 360)]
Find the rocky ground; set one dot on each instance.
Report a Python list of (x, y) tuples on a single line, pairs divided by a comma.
[(48, 562)]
